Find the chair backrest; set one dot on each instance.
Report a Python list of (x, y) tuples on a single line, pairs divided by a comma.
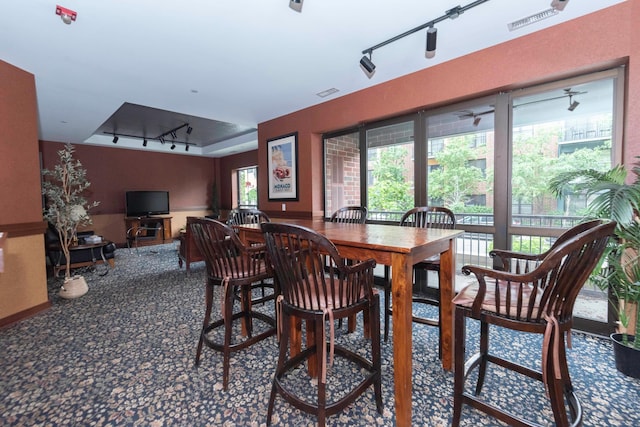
[(311, 273), (429, 217), (247, 216), (519, 262), (226, 257), (552, 288), (350, 215)]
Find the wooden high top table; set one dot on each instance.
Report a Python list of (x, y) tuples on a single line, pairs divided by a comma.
[(400, 248)]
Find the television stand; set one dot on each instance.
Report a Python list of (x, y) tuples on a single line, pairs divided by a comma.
[(148, 230)]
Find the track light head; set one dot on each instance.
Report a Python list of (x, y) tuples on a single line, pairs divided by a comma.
[(367, 65), (572, 105), (161, 139), (432, 35), (189, 130), (144, 142), (115, 139), (296, 5), (476, 120), (174, 135), (173, 146), (186, 148), (559, 4)]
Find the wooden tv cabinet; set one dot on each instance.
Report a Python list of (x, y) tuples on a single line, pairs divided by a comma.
[(150, 230)]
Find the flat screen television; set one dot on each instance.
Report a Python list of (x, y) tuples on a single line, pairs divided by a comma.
[(146, 203)]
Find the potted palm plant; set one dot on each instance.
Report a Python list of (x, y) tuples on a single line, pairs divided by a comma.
[(611, 196), (67, 209)]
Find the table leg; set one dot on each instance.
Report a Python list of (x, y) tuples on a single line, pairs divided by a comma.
[(447, 278), (401, 288)]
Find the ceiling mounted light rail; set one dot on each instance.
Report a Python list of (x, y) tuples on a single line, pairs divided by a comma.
[(430, 50), (162, 138)]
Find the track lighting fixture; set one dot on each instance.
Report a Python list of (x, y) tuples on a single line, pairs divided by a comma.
[(572, 104), (367, 65), (296, 5), (162, 138), (430, 50), (454, 12), (559, 4), (432, 35), (476, 120)]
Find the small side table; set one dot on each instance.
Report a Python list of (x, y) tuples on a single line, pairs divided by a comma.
[(96, 249)]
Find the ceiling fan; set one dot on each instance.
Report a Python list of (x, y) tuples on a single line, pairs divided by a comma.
[(573, 104), (469, 114)]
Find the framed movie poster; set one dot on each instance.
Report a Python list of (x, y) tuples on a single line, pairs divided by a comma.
[(282, 161)]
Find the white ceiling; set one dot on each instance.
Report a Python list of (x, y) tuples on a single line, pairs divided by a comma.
[(241, 62)]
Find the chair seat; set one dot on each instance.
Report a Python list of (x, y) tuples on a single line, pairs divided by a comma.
[(504, 299), (432, 263)]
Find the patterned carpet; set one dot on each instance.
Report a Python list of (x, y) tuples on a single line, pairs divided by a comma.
[(122, 355)]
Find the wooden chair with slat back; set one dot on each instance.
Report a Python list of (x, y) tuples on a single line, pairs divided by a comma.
[(539, 300), (232, 267), (311, 293), (350, 214), (241, 216), (422, 217)]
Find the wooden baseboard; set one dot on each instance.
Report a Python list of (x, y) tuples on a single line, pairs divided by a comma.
[(10, 320)]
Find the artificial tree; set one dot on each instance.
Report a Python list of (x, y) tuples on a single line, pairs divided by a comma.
[(66, 207)]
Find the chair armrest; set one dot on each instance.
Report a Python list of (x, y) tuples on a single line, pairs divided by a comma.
[(360, 270), (485, 296), (524, 261)]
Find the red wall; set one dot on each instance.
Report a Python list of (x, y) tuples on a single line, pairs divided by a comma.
[(593, 42), (112, 171), (19, 175)]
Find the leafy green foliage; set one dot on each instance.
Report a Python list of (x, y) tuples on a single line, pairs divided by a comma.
[(390, 191), (612, 197), (455, 180)]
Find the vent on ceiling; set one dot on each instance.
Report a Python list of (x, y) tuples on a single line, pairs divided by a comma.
[(516, 25), (327, 92)]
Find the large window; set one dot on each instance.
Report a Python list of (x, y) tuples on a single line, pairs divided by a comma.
[(390, 159), (342, 172), (247, 187), (490, 161)]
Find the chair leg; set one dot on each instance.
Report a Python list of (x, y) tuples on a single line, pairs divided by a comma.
[(484, 351), (321, 350), (282, 354), (459, 358), (207, 317), (374, 315), (387, 301), (245, 305), (558, 386), (228, 327)]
